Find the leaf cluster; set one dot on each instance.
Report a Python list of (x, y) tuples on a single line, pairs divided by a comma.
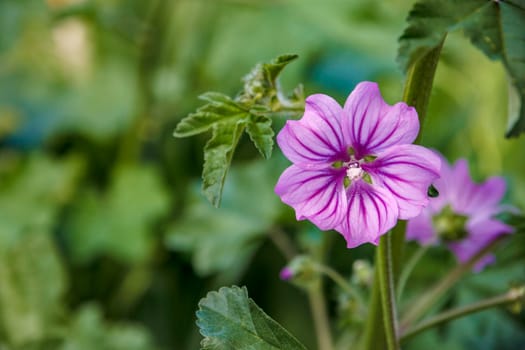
[(494, 27), (228, 118)]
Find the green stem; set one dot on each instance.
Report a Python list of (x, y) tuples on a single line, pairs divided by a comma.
[(418, 86), (341, 282), (510, 297), (320, 317), (283, 243), (428, 299), (408, 268), (315, 291), (373, 335), (387, 292)]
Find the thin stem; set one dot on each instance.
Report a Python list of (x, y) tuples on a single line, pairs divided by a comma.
[(408, 268), (428, 299), (341, 282), (283, 243), (374, 336), (508, 298), (320, 317), (418, 86), (315, 292), (386, 286)]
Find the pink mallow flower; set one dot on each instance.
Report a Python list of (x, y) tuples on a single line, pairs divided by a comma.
[(462, 216), (354, 168)]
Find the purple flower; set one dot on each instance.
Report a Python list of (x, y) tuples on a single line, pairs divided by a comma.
[(462, 216), (354, 169)]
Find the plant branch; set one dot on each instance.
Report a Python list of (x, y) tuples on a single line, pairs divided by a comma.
[(514, 295), (387, 291), (320, 317), (408, 268), (418, 86), (421, 305), (342, 283), (283, 243)]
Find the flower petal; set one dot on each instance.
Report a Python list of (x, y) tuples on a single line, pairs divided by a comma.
[(480, 234), (486, 196), (420, 228), (371, 125), (317, 137), (406, 171), (371, 212), (316, 195)]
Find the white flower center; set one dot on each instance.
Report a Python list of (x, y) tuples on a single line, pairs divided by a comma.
[(354, 170)]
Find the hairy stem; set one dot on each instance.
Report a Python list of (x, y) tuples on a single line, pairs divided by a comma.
[(418, 86), (513, 296), (387, 291)]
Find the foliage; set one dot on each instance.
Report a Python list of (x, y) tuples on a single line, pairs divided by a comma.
[(99, 225), (105, 240), (495, 27), (223, 240), (228, 319), (228, 118)]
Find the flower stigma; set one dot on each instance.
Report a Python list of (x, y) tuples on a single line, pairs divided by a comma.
[(354, 170)]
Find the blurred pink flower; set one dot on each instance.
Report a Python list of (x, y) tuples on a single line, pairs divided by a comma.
[(286, 273), (354, 168), (462, 216)]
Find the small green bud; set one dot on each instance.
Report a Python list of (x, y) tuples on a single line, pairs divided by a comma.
[(363, 273)]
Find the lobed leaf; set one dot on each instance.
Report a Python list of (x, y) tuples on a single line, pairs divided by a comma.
[(220, 109), (218, 154), (495, 27), (228, 118), (229, 319), (261, 133)]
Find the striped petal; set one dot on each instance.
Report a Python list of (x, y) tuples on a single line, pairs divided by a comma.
[(316, 139), (406, 171), (371, 125), (420, 229), (316, 195), (371, 212)]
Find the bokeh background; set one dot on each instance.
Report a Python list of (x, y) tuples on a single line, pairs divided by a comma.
[(105, 239)]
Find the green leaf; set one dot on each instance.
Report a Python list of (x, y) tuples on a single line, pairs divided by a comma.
[(261, 133), (222, 241), (495, 27), (30, 199), (229, 319), (260, 85), (228, 119), (118, 223), (90, 331), (274, 68), (218, 154), (32, 284), (220, 109)]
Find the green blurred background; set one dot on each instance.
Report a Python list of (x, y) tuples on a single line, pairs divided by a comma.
[(105, 239)]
